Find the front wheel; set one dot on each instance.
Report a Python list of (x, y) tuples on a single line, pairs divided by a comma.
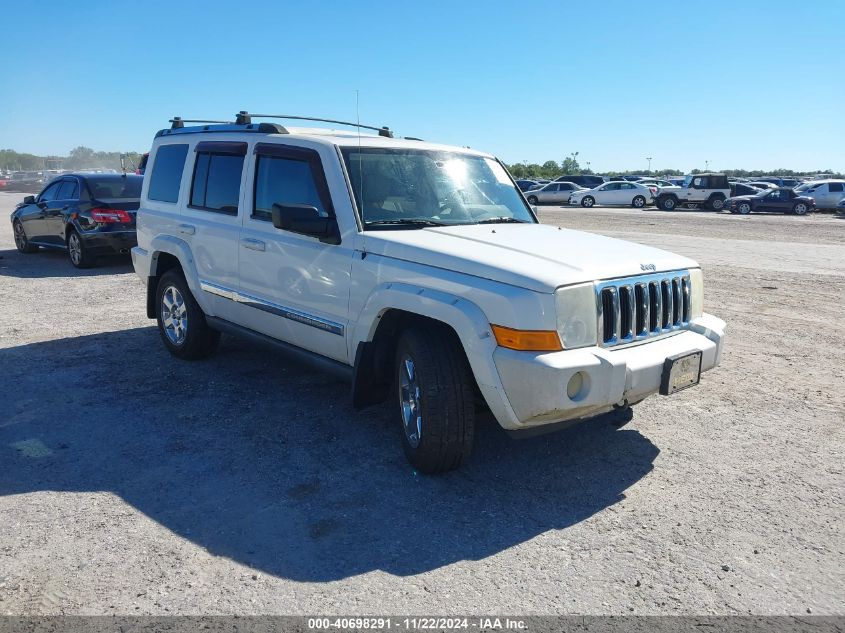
[(743, 208), (21, 241), (638, 202), (588, 201), (181, 321), (532, 200), (800, 209), (435, 402), (668, 203), (78, 252)]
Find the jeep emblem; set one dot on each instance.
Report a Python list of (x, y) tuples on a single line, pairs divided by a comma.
[(647, 267)]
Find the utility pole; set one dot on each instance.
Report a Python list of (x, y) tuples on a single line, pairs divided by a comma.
[(648, 158)]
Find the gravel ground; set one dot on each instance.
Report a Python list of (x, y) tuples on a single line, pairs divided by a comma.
[(134, 483)]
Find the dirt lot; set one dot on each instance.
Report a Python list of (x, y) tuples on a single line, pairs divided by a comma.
[(133, 483)]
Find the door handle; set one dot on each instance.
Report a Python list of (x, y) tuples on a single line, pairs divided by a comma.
[(187, 229), (253, 244)]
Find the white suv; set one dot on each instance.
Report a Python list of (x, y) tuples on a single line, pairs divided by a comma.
[(417, 269)]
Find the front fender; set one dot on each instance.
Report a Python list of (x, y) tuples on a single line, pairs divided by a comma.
[(463, 316)]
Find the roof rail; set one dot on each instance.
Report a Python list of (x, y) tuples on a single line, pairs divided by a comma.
[(243, 117), (178, 122)]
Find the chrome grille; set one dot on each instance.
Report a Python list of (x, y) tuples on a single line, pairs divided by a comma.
[(636, 308)]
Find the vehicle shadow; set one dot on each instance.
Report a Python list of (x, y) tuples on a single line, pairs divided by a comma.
[(260, 459), (49, 262)]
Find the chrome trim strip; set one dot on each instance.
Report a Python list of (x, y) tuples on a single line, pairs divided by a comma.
[(273, 308)]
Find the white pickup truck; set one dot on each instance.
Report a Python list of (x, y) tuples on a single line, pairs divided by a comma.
[(417, 269)]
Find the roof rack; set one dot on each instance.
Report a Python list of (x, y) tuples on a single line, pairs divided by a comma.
[(243, 118), (178, 122)]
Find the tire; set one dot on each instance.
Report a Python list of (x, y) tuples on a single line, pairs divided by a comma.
[(667, 203), (533, 200), (800, 209), (743, 208), (181, 322), (587, 202), (638, 202), (716, 203), (77, 252), (21, 241), (434, 399)]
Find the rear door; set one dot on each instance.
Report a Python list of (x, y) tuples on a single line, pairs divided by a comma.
[(835, 191), (211, 220), (66, 201)]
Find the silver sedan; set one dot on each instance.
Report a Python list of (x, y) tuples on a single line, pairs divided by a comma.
[(552, 193)]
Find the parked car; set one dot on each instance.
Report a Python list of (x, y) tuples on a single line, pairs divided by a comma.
[(88, 215), (615, 193), (782, 200), (826, 193), (582, 180), (700, 190), (763, 185), (417, 270), (655, 182), (525, 184), (744, 189), (552, 193)]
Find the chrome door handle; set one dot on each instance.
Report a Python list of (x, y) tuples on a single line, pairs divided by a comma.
[(253, 244), (187, 229)]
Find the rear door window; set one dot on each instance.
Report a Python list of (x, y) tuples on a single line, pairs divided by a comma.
[(168, 165), (216, 185), (69, 190), (836, 187)]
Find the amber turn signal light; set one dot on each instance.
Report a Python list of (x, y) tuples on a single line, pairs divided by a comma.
[(527, 340)]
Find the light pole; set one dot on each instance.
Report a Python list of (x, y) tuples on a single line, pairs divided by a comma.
[(707, 165), (648, 158)]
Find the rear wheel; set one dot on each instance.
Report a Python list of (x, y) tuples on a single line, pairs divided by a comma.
[(181, 321), (435, 402), (21, 242), (716, 203), (588, 201), (78, 252), (638, 202), (800, 209)]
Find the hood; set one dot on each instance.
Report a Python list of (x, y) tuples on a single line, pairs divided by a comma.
[(538, 257)]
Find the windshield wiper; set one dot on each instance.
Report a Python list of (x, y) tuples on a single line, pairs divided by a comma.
[(409, 222), (501, 220)]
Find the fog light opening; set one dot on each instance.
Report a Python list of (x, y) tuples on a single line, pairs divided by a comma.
[(578, 386)]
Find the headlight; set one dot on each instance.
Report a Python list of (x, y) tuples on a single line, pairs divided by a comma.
[(577, 322), (696, 292)]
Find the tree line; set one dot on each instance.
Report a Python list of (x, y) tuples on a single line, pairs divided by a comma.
[(79, 158), (86, 158)]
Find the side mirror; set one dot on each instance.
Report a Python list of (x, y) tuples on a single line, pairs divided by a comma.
[(29, 200), (305, 219)]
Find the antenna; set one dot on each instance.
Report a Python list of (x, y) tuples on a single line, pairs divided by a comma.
[(360, 166)]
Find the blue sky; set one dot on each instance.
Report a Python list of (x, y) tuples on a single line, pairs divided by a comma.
[(757, 84)]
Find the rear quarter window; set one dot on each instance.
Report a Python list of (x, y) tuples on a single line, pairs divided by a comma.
[(168, 164)]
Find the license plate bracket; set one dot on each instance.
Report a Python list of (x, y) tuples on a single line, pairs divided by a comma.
[(680, 372)]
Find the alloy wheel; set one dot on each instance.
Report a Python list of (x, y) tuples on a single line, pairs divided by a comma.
[(409, 393), (174, 315), (20, 236), (74, 248)]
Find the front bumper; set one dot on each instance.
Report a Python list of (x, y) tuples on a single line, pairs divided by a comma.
[(535, 384)]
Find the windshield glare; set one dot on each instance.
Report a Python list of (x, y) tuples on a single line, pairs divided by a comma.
[(392, 186)]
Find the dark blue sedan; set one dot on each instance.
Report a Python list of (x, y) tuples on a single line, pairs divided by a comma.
[(88, 215)]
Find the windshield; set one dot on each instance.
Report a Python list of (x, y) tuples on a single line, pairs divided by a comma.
[(396, 187)]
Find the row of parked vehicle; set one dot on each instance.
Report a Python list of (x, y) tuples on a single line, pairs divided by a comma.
[(711, 191)]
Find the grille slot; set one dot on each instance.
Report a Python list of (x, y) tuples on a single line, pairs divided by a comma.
[(639, 308)]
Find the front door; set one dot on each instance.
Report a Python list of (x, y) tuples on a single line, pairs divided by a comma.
[(33, 218), (293, 286)]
